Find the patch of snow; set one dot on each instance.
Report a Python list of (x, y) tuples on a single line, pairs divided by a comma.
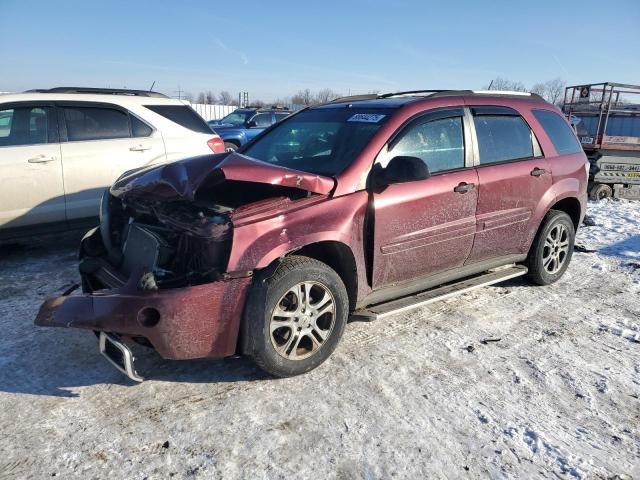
[(557, 395)]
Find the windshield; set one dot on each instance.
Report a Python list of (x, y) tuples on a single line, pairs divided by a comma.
[(323, 141), (236, 119)]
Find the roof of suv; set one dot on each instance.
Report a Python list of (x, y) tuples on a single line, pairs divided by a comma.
[(121, 96), (397, 100)]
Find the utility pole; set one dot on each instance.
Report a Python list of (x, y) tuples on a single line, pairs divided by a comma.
[(179, 92)]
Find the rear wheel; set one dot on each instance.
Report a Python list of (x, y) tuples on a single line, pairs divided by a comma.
[(552, 248), (230, 146), (600, 191), (294, 317)]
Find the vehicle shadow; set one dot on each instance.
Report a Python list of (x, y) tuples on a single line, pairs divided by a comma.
[(60, 362)]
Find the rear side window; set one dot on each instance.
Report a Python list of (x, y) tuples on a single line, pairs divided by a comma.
[(502, 138), (559, 132), (27, 126), (262, 120), (182, 115), (92, 123), (438, 143), (281, 116)]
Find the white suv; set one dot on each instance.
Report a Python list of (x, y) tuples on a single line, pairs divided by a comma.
[(60, 148)]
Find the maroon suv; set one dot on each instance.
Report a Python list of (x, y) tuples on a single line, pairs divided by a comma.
[(361, 207)]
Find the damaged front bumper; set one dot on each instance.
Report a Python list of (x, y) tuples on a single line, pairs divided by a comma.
[(180, 323)]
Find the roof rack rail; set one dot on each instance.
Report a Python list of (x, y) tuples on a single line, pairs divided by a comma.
[(501, 92), (435, 93), (410, 92), (266, 107), (99, 91), (355, 98)]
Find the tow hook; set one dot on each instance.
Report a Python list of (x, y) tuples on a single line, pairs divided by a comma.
[(119, 355)]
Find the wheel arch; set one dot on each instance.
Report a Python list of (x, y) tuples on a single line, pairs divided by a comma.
[(339, 257), (235, 141), (572, 207)]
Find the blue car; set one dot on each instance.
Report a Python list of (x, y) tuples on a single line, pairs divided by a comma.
[(243, 124)]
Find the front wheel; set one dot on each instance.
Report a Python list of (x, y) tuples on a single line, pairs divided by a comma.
[(230, 147), (552, 248), (295, 317)]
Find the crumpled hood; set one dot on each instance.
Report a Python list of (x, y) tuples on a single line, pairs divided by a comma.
[(181, 179)]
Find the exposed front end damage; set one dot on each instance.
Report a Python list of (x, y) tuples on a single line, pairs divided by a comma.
[(155, 270)]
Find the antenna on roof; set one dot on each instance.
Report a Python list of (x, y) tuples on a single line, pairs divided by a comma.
[(490, 83), (151, 88)]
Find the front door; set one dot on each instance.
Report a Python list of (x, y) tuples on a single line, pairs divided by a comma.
[(513, 175), (31, 188), (426, 226)]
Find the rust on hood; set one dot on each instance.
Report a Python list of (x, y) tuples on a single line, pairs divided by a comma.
[(181, 180)]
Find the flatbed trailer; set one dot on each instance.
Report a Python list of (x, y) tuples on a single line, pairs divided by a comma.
[(606, 117)]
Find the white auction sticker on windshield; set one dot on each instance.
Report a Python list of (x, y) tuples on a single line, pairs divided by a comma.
[(366, 117)]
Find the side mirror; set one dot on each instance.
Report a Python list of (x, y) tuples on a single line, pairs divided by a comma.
[(251, 124), (402, 169)]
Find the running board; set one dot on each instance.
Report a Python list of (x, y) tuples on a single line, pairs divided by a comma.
[(382, 310)]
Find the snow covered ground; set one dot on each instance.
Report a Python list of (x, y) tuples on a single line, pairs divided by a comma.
[(421, 395)]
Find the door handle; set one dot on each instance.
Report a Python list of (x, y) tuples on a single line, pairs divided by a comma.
[(464, 187), (536, 172), (41, 159), (140, 148)]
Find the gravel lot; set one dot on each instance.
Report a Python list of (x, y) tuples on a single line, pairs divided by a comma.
[(417, 396)]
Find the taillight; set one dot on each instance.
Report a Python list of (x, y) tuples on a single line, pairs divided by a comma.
[(216, 144)]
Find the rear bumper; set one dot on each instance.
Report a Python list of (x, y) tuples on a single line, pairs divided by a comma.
[(181, 323)]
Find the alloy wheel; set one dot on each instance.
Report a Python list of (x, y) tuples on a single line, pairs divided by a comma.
[(556, 249), (302, 320)]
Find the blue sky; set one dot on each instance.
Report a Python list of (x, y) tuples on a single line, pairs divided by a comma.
[(274, 48)]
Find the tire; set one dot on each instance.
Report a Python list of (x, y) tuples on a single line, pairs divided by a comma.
[(600, 191), (230, 147), (552, 248), (294, 342)]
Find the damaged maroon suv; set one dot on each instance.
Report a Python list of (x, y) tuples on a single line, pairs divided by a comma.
[(360, 208)]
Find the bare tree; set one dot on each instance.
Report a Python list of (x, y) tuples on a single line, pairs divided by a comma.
[(539, 89), (552, 90), (303, 97), (326, 95), (201, 98), (210, 98), (188, 97), (282, 101), (555, 91), (226, 98), (499, 83)]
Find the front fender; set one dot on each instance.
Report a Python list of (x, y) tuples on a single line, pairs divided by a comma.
[(237, 136), (259, 242)]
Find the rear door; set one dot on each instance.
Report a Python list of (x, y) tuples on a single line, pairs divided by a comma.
[(426, 226), (513, 175), (31, 188), (100, 142)]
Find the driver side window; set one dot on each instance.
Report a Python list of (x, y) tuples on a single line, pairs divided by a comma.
[(438, 143)]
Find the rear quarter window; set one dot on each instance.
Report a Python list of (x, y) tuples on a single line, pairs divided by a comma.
[(558, 131), (182, 115)]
